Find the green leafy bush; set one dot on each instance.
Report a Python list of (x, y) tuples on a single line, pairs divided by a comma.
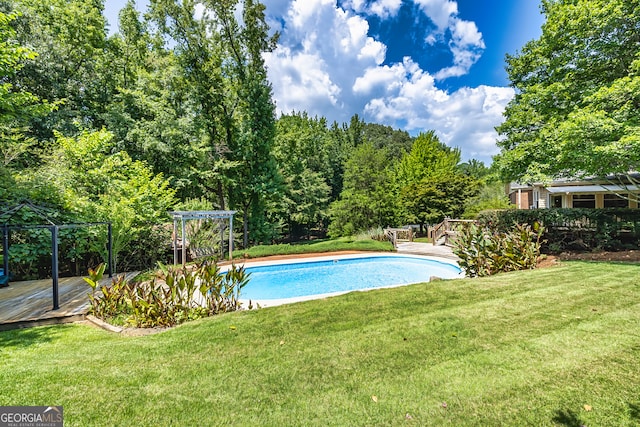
[(574, 229), (483, 251), (173, 296)]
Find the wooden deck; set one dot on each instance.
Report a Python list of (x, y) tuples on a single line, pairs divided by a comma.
[(30, 303)]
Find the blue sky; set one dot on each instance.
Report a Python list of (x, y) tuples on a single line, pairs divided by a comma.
[(410, 64)]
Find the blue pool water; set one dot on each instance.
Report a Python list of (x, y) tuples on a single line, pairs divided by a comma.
[(301, 279)]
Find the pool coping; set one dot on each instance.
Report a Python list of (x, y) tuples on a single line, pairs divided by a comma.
[(330, 257)]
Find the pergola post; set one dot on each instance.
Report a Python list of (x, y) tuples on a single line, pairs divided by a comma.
[(175, 241), (5, 249), (110, 249), (184, 246), (230, 238), (54, 266)]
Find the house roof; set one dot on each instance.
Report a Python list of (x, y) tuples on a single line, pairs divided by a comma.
[(592, 188)]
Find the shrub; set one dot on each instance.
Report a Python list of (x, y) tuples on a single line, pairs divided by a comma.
[(483, 251), (175, 295), (574, 229), (376, 233)]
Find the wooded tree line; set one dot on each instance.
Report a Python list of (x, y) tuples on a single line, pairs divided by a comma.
[(175, 111)]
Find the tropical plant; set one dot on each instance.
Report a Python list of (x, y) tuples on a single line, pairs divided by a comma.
[(173, 296), (483, 251)]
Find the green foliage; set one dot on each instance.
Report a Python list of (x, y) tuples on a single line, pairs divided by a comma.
[(484, 251), (574, 229), (429, 158), (397, 142), (152, 123), (220, 59), (174, 296), (430, 182), (17, 105), (89, 183), (301, 152), (575, 112), (478, 170), (367, 198), (69, 38), (430, 200), (490, 197), (112, 299), (118, 189)]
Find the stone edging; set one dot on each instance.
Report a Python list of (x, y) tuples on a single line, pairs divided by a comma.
[(103, 325)]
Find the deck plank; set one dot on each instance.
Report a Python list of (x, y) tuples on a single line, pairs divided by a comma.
[(30, 303)]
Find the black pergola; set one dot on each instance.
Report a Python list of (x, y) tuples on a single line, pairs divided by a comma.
[(54, 229)]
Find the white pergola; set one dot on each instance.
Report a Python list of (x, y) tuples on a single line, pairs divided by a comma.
[(219, 217)]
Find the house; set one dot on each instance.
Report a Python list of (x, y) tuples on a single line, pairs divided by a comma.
[(587, 193)]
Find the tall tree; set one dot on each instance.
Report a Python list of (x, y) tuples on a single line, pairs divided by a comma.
[(368, 198), (430, 182), (197, 44), (221, 59), (339, 149), (431, 199), (17, 107), (69, 37), (256, 179), (398, 142), (301, 152), (576, 108), (152, 114), (428, 158)]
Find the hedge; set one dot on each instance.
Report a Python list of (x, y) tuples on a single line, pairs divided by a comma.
[(573, 229)]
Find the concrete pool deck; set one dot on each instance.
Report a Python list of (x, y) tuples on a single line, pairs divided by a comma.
[(414, 248), (427, 249)]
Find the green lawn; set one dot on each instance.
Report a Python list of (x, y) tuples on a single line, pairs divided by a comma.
[(329, 245), (557, 346)]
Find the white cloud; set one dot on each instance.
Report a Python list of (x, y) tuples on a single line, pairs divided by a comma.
[(320, 56), (465, 118), (440, 11), (385, 8), (327, 65), (466, 46), (468, 118), (381, 8)]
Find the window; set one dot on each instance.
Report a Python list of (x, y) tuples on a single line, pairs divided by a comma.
[(616, 201), (584, 201)]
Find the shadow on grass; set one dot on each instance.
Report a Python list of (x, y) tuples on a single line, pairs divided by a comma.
[(568, 418), (22, 338), (634, 410)]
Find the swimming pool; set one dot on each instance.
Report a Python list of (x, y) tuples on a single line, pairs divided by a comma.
[(286, 281)]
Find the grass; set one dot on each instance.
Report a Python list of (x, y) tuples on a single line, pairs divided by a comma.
[(334, 245), (422, 239), (557, 346)]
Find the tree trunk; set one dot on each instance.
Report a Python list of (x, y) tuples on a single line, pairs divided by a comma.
[(245, 227), (220, 196)]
